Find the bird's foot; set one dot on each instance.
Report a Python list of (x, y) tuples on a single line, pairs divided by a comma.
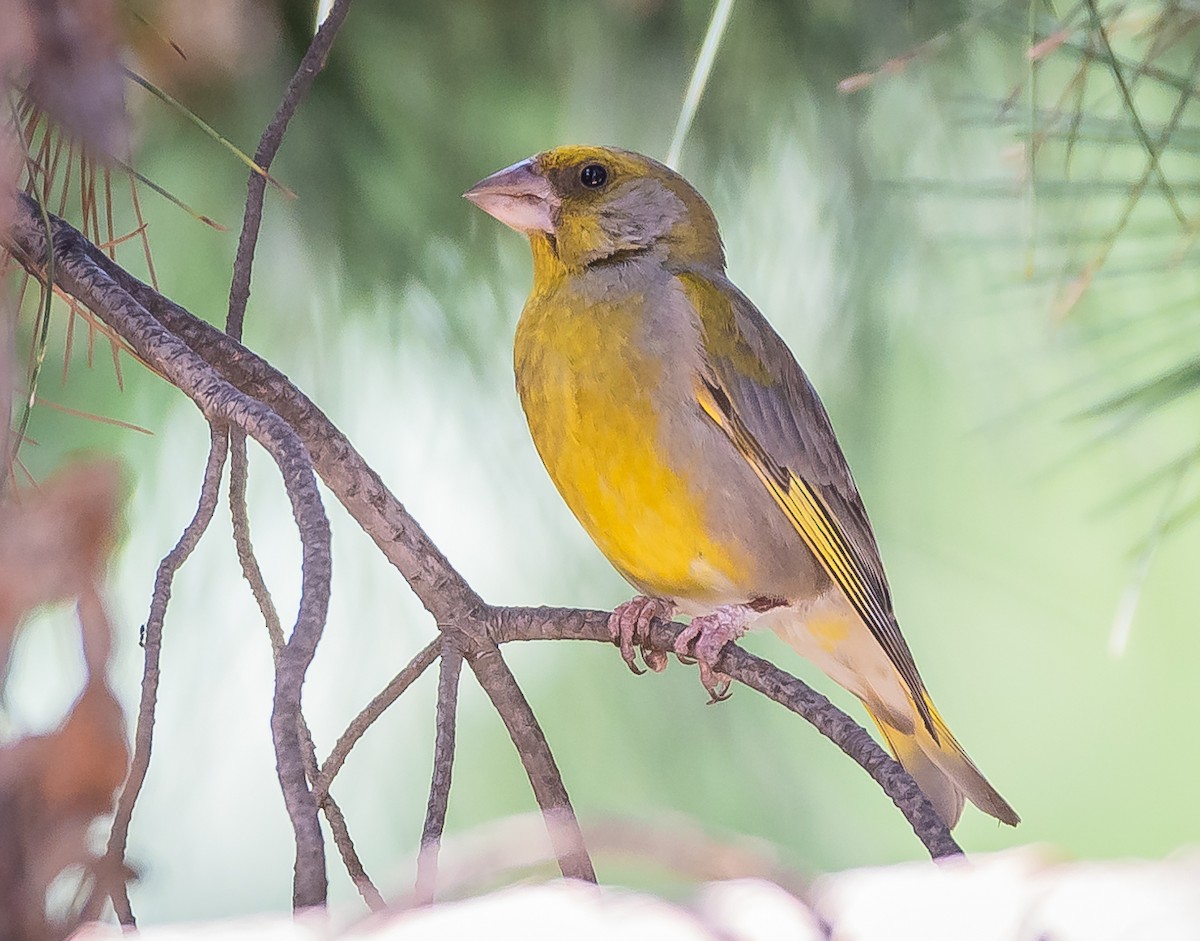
[(629, 625), (706, 637)]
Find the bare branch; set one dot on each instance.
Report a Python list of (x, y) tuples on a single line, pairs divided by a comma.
[(350, 859), (339, 828), (357, 486), (372, 711), (548, 788), (552, 623), (258, 586), (310, 882), (219, 400), (851, 738), (251, 571), (272, 138), (443, 767), (239, 294), (118, 837)]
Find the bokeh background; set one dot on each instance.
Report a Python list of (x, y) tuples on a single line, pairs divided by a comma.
[(1023, 438)]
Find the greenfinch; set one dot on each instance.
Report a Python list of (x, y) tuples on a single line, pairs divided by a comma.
[(683, 435)]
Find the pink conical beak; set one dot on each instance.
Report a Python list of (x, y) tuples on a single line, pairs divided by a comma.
[(519, 196)]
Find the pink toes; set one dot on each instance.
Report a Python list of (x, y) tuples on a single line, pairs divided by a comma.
[(629, 626), (704, 639), (700, 642)]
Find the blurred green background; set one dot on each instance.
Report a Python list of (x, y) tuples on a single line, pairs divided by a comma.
[(892, 236)]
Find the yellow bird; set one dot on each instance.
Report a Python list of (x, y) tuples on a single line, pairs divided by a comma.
[(681, 432)]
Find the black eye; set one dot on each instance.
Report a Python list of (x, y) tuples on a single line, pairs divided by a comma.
[(593, 175)]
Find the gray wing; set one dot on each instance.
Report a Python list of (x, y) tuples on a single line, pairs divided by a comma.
[(756, 392)]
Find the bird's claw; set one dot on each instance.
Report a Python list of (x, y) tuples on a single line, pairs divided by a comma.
[(703, 640), (629, 625), (717, 685)]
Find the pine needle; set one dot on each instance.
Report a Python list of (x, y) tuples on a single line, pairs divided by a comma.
[(207, 129), (699, 79), (1134, 117), (1122, 625)]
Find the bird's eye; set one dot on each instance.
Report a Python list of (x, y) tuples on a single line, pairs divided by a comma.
[(593, 175)]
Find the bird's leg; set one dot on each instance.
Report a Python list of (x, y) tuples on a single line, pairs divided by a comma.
[(704, 639), (629, 625)]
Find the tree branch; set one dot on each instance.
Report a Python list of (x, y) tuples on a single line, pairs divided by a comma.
[(372, 711), (239, 294), (240, 518), (268, 146), (339, 828), (510, 624), (443, 767), (266, 606), (548, 788), (220, 400), (350, 859), (139, 765), (357, 486)]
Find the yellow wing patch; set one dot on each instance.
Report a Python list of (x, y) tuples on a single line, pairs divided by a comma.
[(820, 531)]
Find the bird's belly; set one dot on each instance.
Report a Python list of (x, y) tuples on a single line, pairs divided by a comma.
[(655, 483), (649, 518), (597, 422)]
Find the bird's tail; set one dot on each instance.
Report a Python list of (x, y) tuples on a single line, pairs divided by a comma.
[(942, 769)]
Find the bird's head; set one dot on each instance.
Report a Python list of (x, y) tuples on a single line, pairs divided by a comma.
[(587, 205)]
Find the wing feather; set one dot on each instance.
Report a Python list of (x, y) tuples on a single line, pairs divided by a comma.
[(756, 393)]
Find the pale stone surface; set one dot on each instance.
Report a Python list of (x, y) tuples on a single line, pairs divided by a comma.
[(756, 910), (552, 910), (1026, 894), (255, 928)]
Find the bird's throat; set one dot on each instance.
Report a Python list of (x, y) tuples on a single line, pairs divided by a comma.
[(547, 266)]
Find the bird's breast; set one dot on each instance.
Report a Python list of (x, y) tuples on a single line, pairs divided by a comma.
[(598, 395)]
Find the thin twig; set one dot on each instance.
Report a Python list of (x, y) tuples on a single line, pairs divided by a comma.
[(440, 588), (527, 736), (270, 614), (220, 400), (372, 711), (239, 295), (118, 837), (443, 767), (350, 858), (339, 828), (553, 623), (251, 571), (268, 146)]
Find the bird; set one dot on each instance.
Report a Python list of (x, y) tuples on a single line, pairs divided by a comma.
[(681, 432)]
